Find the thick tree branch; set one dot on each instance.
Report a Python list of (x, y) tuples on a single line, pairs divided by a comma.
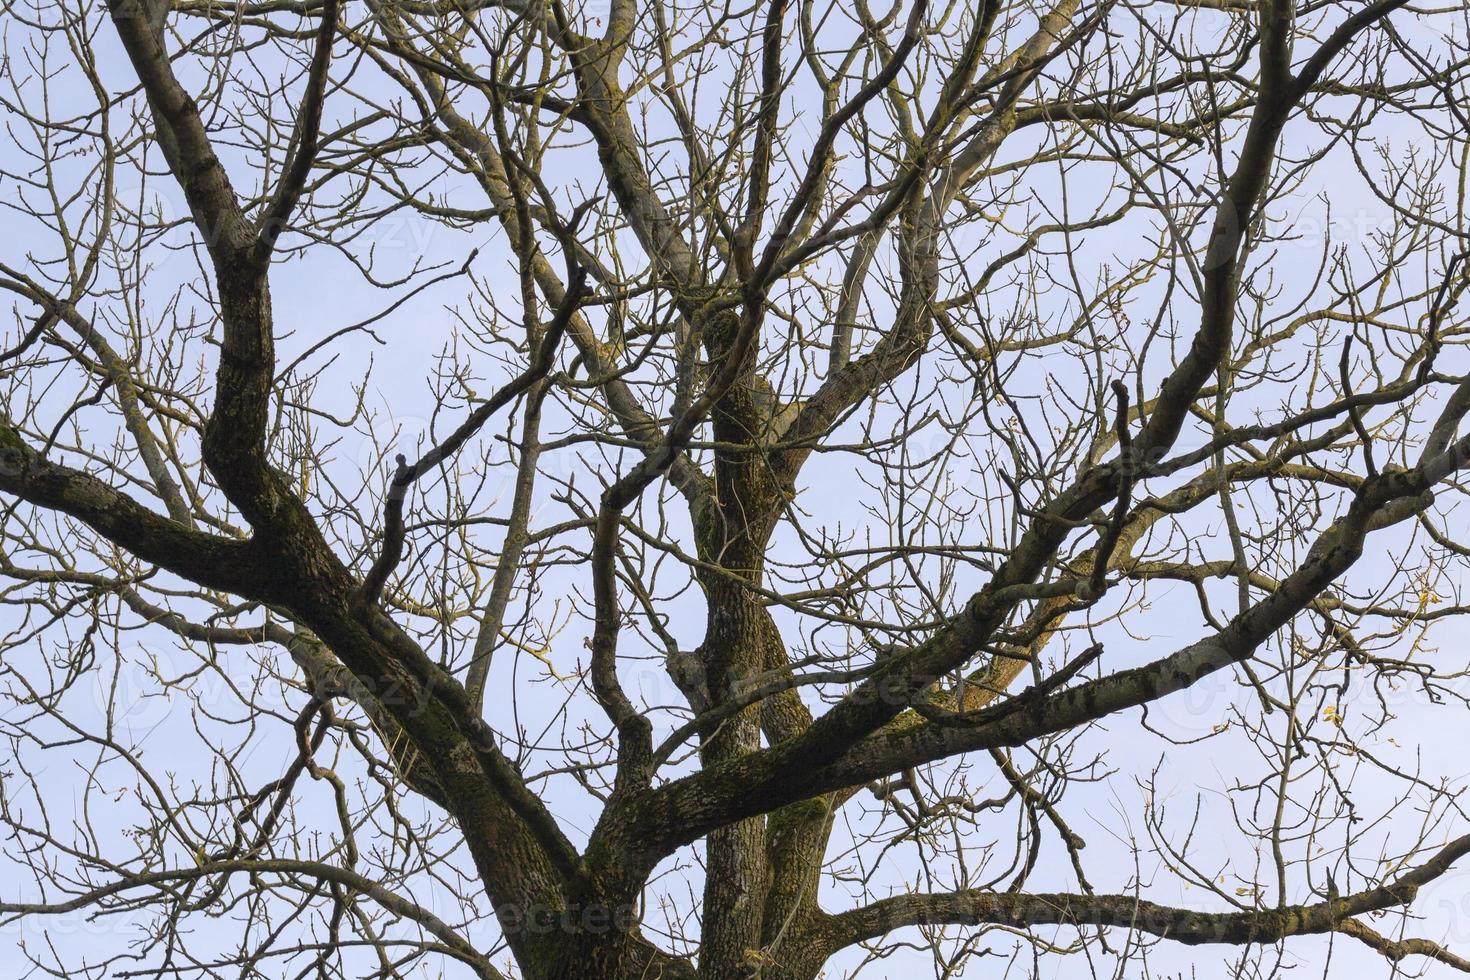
[(1024, 911), (305, 142), (215, 562)]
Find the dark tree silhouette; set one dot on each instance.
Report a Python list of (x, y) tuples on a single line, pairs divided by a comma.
[(848, 435)]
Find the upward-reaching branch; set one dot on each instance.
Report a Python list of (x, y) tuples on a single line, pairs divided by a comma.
[(305, 140)]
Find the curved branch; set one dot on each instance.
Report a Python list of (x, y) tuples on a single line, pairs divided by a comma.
[(212, 561), (1192, 928), (461, 948)]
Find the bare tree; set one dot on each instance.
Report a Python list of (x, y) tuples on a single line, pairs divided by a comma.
[(670, 488)]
